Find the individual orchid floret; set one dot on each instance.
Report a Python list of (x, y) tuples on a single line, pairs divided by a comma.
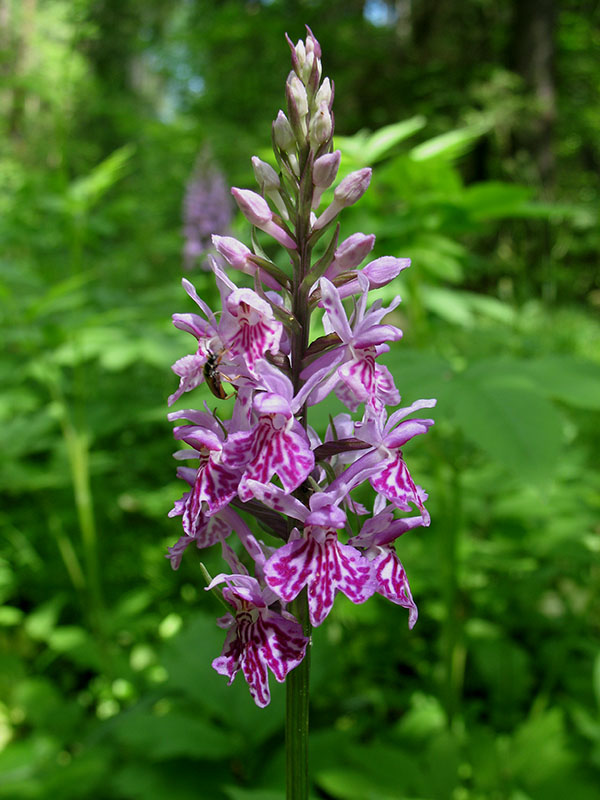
[(257, 212), (359, 379), (346, 193), (249, 328), (376, 540), (208, 531), (238, 256), (321, 127), (325, 170), (392, 478), (215, 484), (276, 445), (258, 639), (350, 253), (190, 369), (283, 133), (320, 562), (269, 183)]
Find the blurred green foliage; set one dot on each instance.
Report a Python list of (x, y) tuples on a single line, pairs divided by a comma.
[(106, 688)]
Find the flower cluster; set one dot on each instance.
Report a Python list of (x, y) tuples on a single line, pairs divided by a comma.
[(206, 210), (255, 354)]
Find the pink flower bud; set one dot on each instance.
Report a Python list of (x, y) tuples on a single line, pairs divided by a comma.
[(234, 252), (324, 94), (253, 206), (312, 45), (352, 187), (383, 270), (298, 94), (325, 169), (265, 175), (351, 252), (320, 126), (284, 135), (256, 210)]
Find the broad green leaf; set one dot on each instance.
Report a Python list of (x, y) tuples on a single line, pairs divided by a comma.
[(494, 199), (367, 150), (448, 145), (451, 306), (515, 426), (573, 381), (349, 784), (173, 735)]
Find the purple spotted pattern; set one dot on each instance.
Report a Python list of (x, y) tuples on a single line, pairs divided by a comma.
[(251, 460)]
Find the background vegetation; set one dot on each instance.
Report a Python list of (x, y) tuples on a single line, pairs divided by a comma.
[(482, 121)]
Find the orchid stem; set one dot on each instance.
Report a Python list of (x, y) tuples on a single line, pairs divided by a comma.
[(297, 702)]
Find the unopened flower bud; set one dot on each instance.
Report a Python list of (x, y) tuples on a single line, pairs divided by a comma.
[(350, 253), (307, 66), (383, 270), (320, 126), (324, 94), (234, 252), (254, 207), (325, 169), (352, 187), (284, 135), (300, 52), (312, 45), (346, 193), (265, 175), (298, 95), (256, 210)]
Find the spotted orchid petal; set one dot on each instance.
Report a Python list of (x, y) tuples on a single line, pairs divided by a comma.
[(325, 566), (365, 381), (277, 445), (249, 328), (208, 531), (394, 481), (258, 640), (391, 581)]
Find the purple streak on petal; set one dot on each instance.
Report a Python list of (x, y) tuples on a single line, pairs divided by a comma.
[(392, 582), (325, 566), (395, 482), (259, 640)]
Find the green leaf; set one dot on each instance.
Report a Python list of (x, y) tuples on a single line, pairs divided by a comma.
[(448, 145), (494, 199), (85, 192), (173, 735), (573, 381), (366, 150), (515, 426)]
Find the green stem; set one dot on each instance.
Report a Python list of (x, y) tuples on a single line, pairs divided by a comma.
[(297, 703), (297, 682)]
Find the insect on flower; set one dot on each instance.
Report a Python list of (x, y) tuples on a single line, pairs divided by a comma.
[(212, 375)]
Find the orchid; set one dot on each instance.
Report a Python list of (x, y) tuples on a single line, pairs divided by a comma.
[(258, 457)]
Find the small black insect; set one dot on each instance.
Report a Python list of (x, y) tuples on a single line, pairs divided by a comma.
[(212, 376)]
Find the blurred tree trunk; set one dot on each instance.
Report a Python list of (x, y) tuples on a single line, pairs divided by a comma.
[(16, 33), (534, 24)]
